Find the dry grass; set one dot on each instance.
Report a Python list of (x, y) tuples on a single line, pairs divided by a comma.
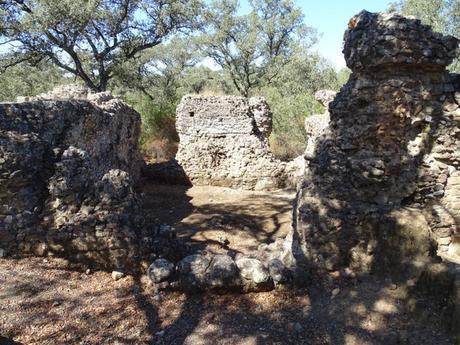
[(159, 149)]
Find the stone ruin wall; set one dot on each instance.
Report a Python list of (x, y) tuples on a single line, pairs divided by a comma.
[(316, 124), (224, 142), (68, 164), (382, 185)]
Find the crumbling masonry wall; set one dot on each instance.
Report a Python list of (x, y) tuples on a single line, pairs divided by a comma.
[(382, 185), (224, 142), (67, 170)]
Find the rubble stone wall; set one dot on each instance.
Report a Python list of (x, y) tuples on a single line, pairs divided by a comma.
[(67, 170), (224, 142), (382, 183)]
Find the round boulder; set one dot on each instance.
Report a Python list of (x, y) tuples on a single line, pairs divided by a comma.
[(193, 271), (160, 270), (223, 272), (255, 276)]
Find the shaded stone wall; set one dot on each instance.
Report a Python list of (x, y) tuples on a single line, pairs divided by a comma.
[(224, 142), (67, 170), (382, 183)]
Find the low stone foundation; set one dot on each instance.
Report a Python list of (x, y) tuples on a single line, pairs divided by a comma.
[(219, 272)]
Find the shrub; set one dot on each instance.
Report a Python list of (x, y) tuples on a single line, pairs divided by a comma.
[(159, 138), (288, 139)]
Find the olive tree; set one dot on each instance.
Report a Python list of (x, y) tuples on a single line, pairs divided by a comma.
[(254, 48), (90, 38)]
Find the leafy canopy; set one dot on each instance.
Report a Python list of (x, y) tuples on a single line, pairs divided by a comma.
[(255, 47), (90, 38)]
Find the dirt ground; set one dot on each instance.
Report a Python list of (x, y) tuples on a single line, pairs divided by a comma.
[(42, 302), (205, 217)]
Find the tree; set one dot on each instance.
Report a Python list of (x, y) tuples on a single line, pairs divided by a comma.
[(26, 80), (157, 73), (291, 99), (306, 73), (254, 48), (90, 39)]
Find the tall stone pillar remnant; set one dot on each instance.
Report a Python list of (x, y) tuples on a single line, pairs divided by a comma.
[(390, 156)]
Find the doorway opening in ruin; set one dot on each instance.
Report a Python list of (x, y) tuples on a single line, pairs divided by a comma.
[(224, 191)]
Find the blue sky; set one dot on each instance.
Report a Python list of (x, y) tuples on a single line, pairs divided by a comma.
[(330, 18)]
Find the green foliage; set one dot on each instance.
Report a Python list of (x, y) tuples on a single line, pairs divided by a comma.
[(254, 48), (291, 99), (159, 138), (26, 80), (342, 77), (288, 139), (306, 73), (156, 115), (91, 39), (203, 80), (157, 72)]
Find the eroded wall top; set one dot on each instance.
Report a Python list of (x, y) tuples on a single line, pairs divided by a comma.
[(375, 39)]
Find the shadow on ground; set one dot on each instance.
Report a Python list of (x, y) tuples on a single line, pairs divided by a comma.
[(206, 217), (45, 303)]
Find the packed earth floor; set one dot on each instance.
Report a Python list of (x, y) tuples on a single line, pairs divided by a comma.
[(220, 219)]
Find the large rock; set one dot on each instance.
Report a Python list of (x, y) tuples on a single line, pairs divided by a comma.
[(160, 270), (67, 170), (381, 178), (255, 276), (193, 271), (223, 273), (199, 272)]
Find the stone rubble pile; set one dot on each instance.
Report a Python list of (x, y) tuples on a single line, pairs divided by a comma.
[(68, 164), (382, 184), (218, 272)]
